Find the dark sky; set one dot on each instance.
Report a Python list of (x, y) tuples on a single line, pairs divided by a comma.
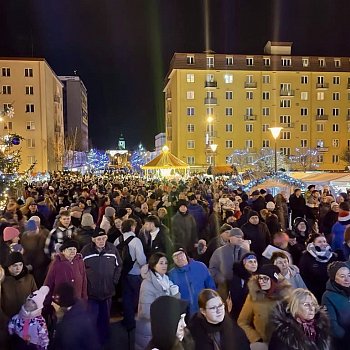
[(122, 49)]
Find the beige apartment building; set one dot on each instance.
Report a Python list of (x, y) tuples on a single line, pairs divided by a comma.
[(31, 87), (232, 100)]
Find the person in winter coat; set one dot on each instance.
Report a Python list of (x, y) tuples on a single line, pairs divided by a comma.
[(345, 254), (68, 266), (266, 289), (191, 276), (184, 228), (336, 300), (242, 271), (329, 220), (200, 216), (313, 264), (85, 231), (288, 271), (108, 219), (16, 286), (281, 209), (258, 201), (339, 227), (212, 329), (297, 204), (155, 284), (301, 230), (300, 324)]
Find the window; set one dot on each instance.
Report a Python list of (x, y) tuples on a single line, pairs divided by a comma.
[(248, 143), (190, 59), (210, 78), (250, 61), (320, 80), (190, 144), (190, 110), (228, 160), (303, 143), (210, 94), (266, 111), (30, 143), (265, 143), (266, 95), (320, 111), (335, 112), (28, 72), (303, 127), (304, 111), (337, 63), (7, 125), (228, 127), (7, 106), (228, 78), (285, 103), (228, 111), (210, 61), (266, 79), (286, 62), (348, 96), (190, 160), (335, 142), (285, 135), (304, 79), (321, 62), (31, 160), (336, 80), (305, 62), (285, 151), (29, 90), (190, 78), (335, 158), (266, 61), (249, 111), (304, 96), (319, 158), (285, 119), (30, 108), (336, 96), (348, 112), (320, 127), (249, 79), (249, 128), (229, 144), (6, 90), (30, 126), (249, 95), (320, 96), (229, 95), (210, 130), (6, 72), (190, 95), (320, 143), (190, 127), (210, 110), (265, 127), (229, 60), (335, 127)]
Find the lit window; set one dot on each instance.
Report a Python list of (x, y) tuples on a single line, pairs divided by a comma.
[(303, 127), (304, 96), (190, 144), (228, 78), (190, 95), (190, 78), (190, 110), (305, 62), (210, 62)]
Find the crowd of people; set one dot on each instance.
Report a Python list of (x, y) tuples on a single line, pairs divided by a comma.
[(191, 264)]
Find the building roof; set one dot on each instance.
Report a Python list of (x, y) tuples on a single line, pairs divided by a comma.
[(165, 160)]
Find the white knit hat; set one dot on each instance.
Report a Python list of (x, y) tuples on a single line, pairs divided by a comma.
[(39, 296)]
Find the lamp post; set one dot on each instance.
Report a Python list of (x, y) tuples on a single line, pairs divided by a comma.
[(213, 148), (275, 131)]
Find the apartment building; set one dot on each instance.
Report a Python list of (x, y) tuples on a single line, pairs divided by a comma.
[(232, 100)]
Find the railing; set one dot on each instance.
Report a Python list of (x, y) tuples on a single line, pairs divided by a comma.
[(210, 101), (287, 125), (250, 84), (322, 149), (322, 86), (213, 84), (322, 117), (249, 117), (287, 92)]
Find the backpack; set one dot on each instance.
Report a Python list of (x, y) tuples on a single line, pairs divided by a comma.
[(124, 252)]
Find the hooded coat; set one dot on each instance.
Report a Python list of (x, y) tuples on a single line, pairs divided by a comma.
[(289, 334), (255, 316)]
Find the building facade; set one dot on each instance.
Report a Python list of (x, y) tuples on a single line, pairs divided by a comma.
[(75, 114), (31, 87), (232, 100)]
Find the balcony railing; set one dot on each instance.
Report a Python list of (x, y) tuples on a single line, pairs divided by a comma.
[(210, 84), (250, 84), (249, 117), (322, 149), (210, 101), (287, 125), (322, 117), (322, 86), (287, 92)]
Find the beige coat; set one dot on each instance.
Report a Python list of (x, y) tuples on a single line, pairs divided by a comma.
[(255, 317)]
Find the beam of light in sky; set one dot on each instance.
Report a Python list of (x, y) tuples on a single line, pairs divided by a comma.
[(207, 25)]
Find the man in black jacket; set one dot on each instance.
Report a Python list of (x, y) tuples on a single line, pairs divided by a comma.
[(103, 269)]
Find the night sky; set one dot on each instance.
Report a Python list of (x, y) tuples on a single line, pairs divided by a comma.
[(122, 49)]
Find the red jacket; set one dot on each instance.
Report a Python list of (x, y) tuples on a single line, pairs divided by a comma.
[(62, 270)]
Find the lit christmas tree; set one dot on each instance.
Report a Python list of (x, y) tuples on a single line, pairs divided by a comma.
[(138, 158), (97, 161)]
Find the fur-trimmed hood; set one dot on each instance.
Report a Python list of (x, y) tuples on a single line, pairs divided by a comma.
[(283, 288), (291, 334)]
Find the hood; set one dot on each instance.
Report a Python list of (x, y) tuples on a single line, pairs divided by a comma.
[(283, 289)]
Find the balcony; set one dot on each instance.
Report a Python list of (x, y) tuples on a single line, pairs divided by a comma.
[(287, 125), (322, 117), (212, 134), (210, 101), (249, 117), (322, 86), (287, 93), (348, 117), (322, 149), (211, 84), (250, 84)]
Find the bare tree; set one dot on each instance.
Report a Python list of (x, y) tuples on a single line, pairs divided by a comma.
[(240, 159), (304, 159)]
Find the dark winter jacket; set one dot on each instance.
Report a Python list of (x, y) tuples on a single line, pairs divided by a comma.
[(297, 206), (328, 221), (258, 204), (227, 333), (84, 234), (289, 334), (103, 270), (200, 216), (184, 230)]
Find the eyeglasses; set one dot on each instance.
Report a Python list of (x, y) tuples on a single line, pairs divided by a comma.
[(216, 308), (309, 305), (263, 278)]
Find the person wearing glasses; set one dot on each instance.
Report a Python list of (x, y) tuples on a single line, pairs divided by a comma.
[(213, 329), (299, 323), (266, 289)]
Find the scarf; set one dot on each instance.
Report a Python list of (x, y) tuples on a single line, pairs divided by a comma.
[(320, 255), (27, 316), (164, 282), (308, 328)]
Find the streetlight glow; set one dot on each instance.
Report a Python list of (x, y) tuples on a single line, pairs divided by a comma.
[(275, 131), (213, 147)]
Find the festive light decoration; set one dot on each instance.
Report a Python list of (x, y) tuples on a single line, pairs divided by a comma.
[(138, 158), (304, 159), (97, 160)]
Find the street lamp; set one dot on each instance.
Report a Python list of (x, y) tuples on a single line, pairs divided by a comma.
[(275, 131), (213, 148)]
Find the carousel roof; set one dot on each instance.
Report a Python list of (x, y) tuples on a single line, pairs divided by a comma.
[(165, 160)]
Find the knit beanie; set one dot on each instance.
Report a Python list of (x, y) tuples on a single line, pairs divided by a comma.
[(39, 296), (334, 267), (13, 258), (10, 233), (87, 220), (109, 212), (69, 243), (121, 213), (182, 202), (252, 213), (271, 271), (36, 219), (30, 225)]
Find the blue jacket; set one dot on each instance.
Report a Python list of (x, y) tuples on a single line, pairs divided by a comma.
[(338, 230), (191, 279)]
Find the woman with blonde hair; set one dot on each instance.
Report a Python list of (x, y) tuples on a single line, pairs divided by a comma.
[(300, 323)]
